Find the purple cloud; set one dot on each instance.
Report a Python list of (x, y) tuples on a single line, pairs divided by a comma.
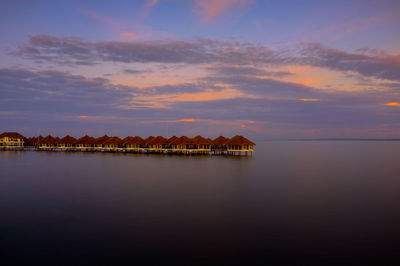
[(68, 50)]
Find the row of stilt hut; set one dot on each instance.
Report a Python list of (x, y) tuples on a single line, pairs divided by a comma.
[(237, 145)]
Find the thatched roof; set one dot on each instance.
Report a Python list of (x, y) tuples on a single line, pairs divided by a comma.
[(101, 140), (67, 140), (171, 140), (221, 140), (112, 140), (15, 135), (200, 141), (86, 140), (126, 140), (239, 140), (138, 140), (32, 140), (186, 140), (147, 140), (48, 140), (132, 140), (159, 140)]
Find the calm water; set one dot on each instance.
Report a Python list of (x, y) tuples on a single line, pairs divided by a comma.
[(312, 202)]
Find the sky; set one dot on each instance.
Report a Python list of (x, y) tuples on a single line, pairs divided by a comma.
[(262, 69)]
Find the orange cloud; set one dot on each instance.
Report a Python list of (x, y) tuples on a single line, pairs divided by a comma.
[(186, 120), (309, 100), (83, 116), (209, 9), (392, 104), (191, 120), (127, 35), (164, 100)]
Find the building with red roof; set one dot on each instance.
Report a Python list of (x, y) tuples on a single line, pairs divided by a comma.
[(66, 142), (85, 142), (12, 139)]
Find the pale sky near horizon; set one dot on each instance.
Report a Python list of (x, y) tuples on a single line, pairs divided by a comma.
[(262, 69)]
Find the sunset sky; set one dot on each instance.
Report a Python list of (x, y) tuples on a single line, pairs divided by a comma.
[(262, 69)]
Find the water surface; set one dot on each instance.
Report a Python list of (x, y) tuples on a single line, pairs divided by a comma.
[(305, 201)]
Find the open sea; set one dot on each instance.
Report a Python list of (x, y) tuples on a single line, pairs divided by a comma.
[(291, 203)]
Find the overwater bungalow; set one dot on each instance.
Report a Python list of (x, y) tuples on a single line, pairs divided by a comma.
[(99, 142), (33, 141), (219, 144), (112, 143), (11, 140), (132, 143), (174, 143), (157, 144), (48, 142), (146, 142), (239, 144), (85, 143), (186, 143), (202, 144), (66, 142)]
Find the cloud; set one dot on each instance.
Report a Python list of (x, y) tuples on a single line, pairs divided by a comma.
[(190, 120), (134, 71), (54, 91), (210, 9), (392, 104), (309, 100), (385, 67), (71, 51), (256, 107), (228, 70)]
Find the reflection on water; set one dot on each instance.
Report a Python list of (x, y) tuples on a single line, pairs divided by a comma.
[(304, 201)]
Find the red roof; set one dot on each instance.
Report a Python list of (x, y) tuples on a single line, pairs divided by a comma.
[(239, 140), (186, 140), (175, 141), (220, 140), (48, 140), (85, 140), (200, 140), (147, 140), (171, 140), (101, 140), (158, 140), (12, 135), (127, 140), (112, 140), (67, 140)]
